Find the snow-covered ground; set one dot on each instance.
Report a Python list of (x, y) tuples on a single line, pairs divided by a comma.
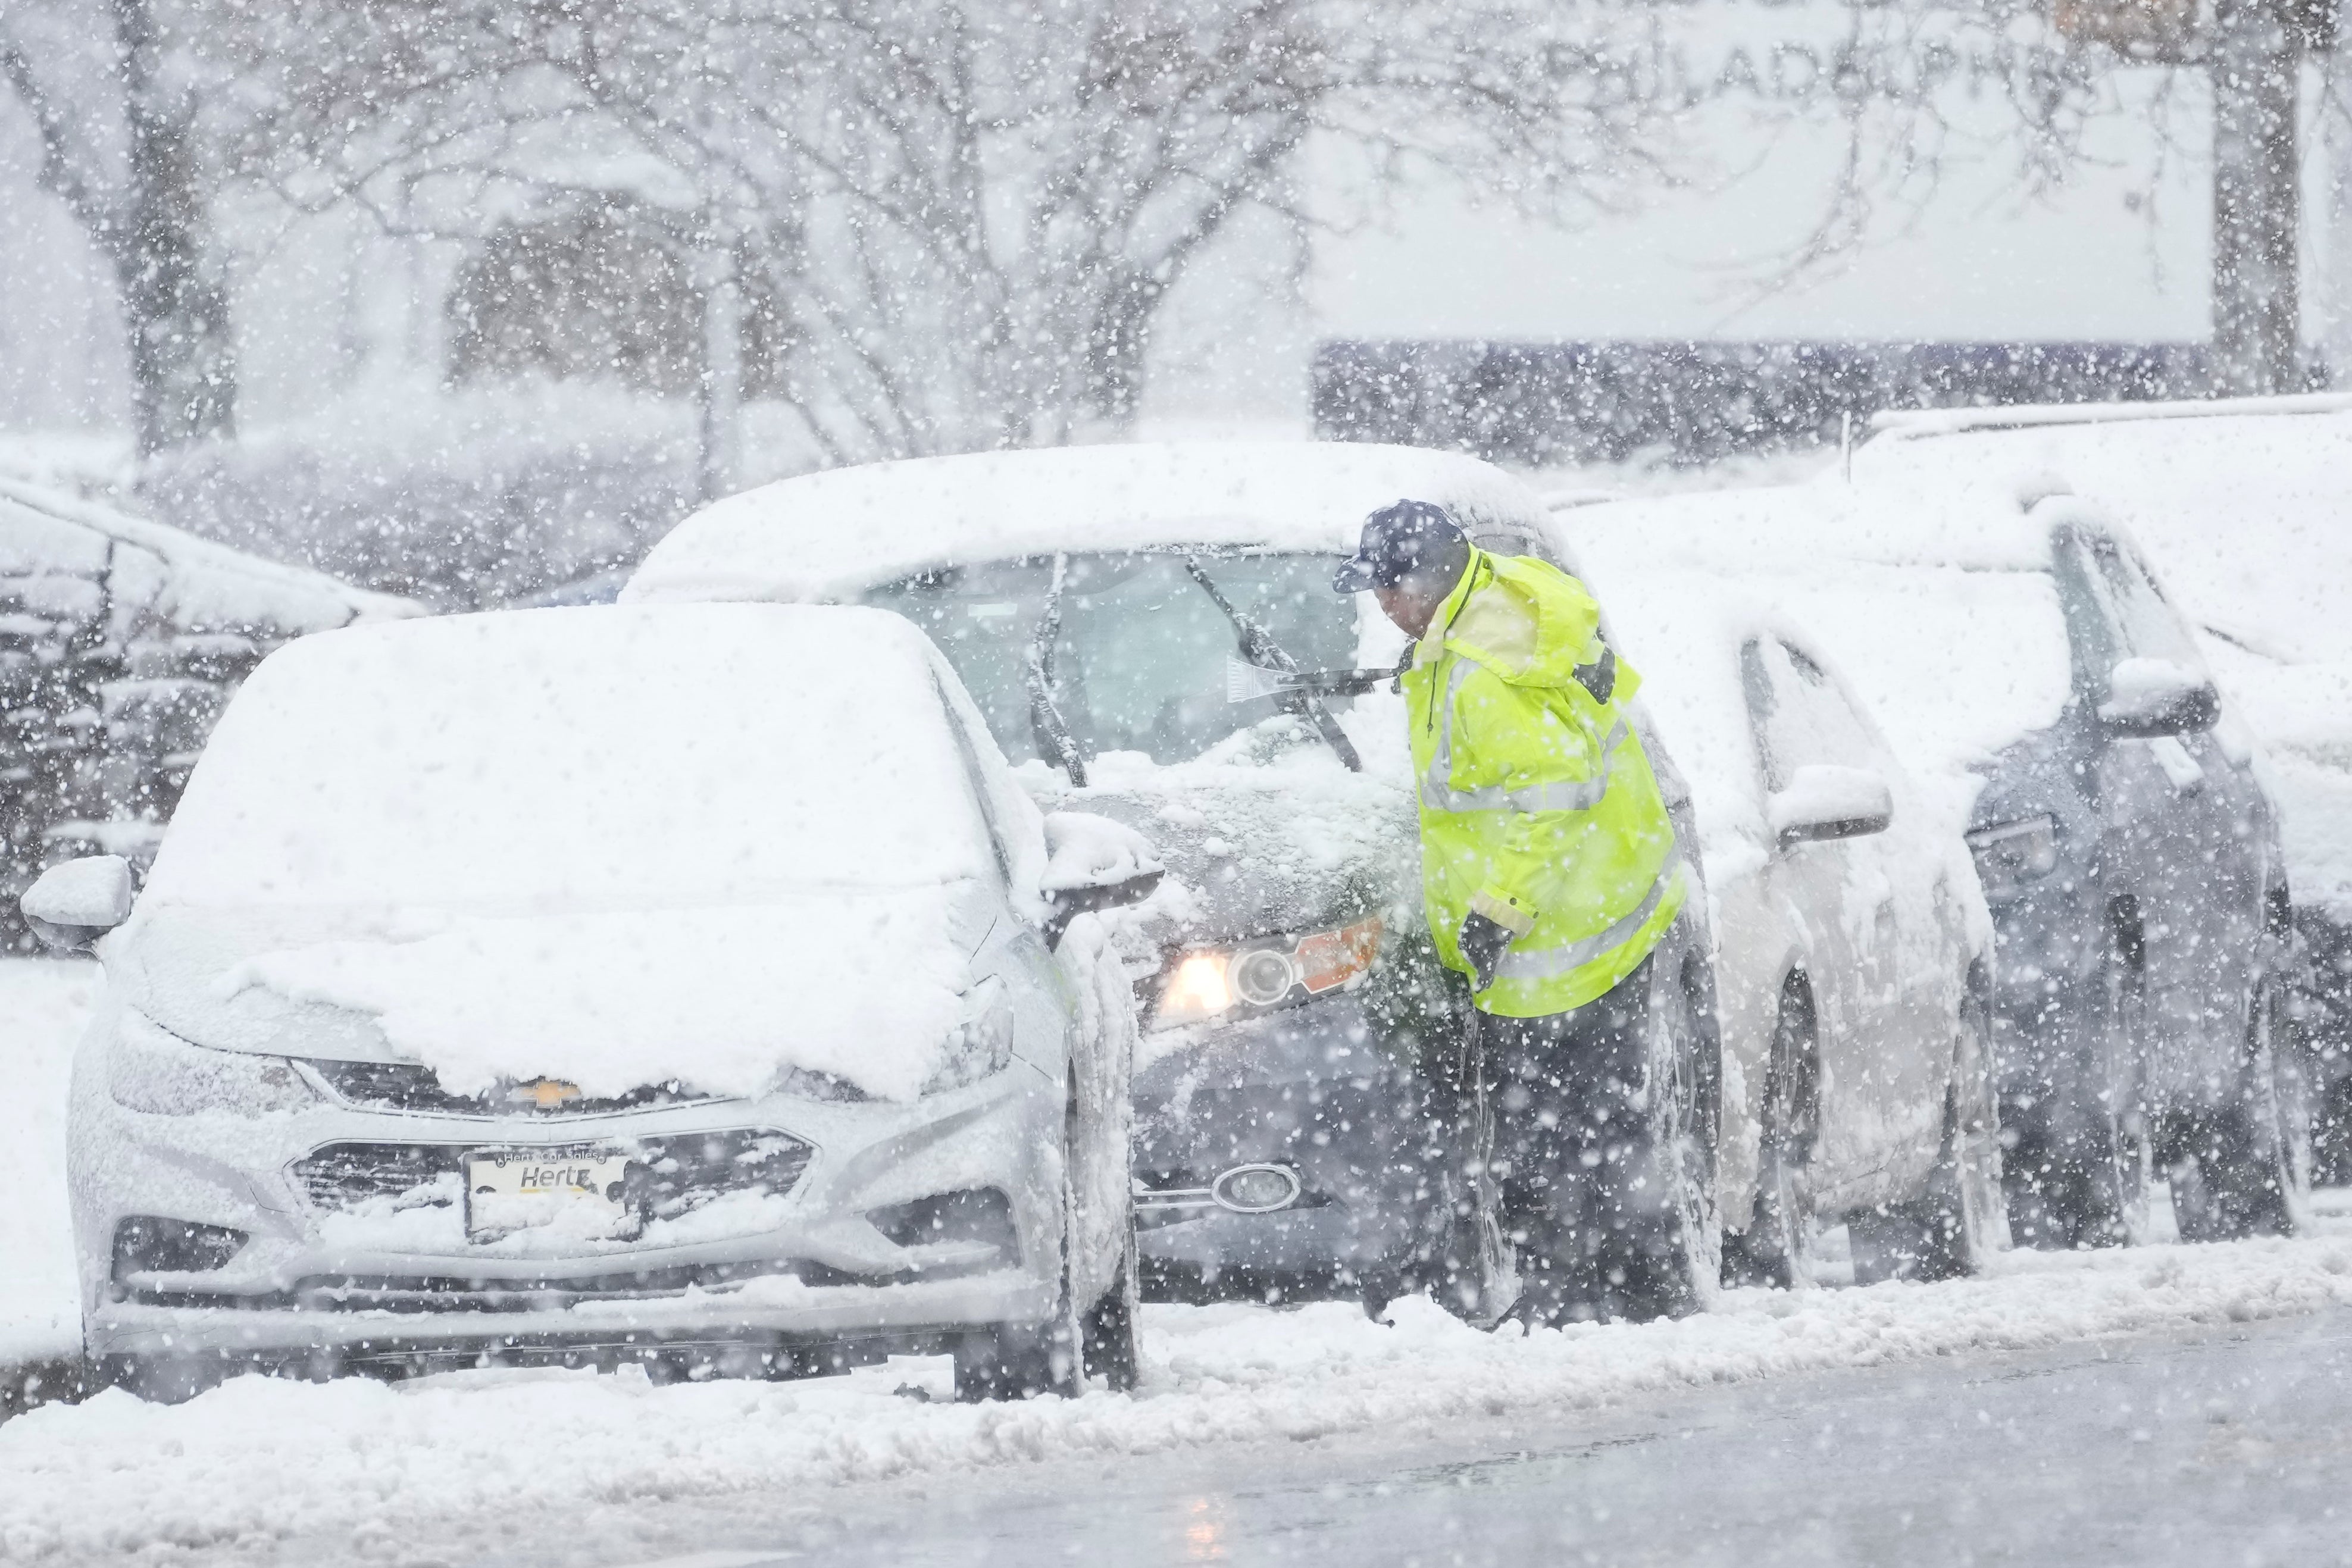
[(230, 1475), (256, 1463)]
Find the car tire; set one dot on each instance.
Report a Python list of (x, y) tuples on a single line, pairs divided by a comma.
[(1959, 1220), (1092, 1330), (1776, 1249), (2233, 1170), (2076, 1174), (1670, 1260)]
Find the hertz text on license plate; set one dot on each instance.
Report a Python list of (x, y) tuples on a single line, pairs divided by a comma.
[(574, 1193)]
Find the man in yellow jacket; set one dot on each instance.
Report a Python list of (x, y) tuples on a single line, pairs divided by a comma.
[(1551, 874)]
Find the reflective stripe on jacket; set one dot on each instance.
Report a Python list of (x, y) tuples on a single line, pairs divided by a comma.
[(1538, 806)]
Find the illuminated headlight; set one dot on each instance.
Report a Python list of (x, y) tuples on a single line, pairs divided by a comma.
[(157, 1073), (1208, 983), (2012, 854)]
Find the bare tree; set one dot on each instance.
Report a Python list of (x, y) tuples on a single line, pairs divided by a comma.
[(121, 146), (971, 210)]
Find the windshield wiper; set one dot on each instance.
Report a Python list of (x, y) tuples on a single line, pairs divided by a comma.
[(1259, 648), (1045, 722)]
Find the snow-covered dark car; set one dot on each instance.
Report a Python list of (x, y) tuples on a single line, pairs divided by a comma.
[(2245, 505), (2054, 706), (687, 985), (1129, 619)]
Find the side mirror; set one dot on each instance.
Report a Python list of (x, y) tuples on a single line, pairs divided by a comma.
[(2151, 697), (71, 906), (1827, 802), (1092, 862)]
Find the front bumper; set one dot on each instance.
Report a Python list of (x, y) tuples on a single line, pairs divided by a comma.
[(1309, 1090), (780, 1270)]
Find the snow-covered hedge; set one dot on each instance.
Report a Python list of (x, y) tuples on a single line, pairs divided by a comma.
[(120, 641)]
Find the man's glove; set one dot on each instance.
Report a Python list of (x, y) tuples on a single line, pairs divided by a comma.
[(1482, 943)]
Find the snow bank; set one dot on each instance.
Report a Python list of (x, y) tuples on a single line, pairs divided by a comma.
[(836, 534), (690, 841), (239, 1470), (43, 1005)]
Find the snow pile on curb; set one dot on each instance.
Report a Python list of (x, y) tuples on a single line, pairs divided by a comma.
[(258, 1461)]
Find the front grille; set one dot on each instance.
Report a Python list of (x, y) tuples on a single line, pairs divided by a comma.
[(668, 1176), (406, 1086)]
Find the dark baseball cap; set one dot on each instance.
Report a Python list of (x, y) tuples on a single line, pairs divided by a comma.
[(1399, 540)]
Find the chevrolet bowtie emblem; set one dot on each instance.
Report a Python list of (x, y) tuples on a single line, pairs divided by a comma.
[(547, 1093)]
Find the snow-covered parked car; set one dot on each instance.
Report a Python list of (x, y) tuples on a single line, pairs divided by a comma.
[(687, 985), (1128, 617), (1852, 970), (2245, 505), (120, 641), (2052, 704)]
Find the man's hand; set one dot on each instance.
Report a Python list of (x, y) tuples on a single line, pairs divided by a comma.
[(1482, 943)]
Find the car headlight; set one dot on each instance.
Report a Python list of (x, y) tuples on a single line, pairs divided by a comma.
[(2010, 854), (983, 1043), (151, 1069), (1209, 982)]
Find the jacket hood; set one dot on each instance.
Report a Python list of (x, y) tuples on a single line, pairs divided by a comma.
[(1526, 620)]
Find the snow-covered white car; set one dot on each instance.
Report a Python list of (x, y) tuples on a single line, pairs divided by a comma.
[(2245, 505), (687, 985), (1852, 973), (2052, 704), (1129, 620)]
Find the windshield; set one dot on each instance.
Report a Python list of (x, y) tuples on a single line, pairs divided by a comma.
[(598, 759), (1139, 661)]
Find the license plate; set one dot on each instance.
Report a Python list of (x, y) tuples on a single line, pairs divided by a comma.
[(582, 1193)]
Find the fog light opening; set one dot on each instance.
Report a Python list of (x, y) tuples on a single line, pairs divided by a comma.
[(1257, 1190), (149, 1244)]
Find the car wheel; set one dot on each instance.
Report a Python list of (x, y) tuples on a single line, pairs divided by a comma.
[(1776, 1248), (1958, 1220), (2233, 1169), (1092, 1331), (1668, 1260), (2077, 1166)]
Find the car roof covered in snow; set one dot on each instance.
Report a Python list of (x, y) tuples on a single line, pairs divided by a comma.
[(196, 584), (1938, 608), (2241, 505), (834, 535)]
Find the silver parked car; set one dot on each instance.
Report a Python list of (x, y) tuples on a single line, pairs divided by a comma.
[(689, 986), (1852, 964)]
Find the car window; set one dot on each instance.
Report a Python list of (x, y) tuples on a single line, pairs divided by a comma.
[(2115, 610), (1802, 717), (1138, 664)]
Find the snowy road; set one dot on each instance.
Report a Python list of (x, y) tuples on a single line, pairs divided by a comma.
[(2200, 1447), (1267, 1410)]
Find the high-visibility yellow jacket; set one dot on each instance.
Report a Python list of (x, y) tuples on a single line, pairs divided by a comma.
[(1538, 806)]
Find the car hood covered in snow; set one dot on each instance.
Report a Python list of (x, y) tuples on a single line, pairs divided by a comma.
[(866, 988), (1267, 833)]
